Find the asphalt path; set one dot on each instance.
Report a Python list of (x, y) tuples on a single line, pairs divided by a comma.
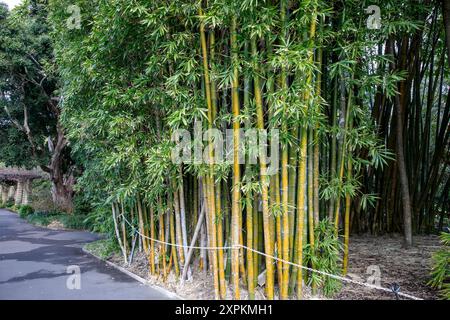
[(39, 263)]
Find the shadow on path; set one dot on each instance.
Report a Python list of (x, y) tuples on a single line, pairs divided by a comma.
[(34, 264)]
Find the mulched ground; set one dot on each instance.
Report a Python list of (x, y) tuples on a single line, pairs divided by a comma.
[(409, 268)]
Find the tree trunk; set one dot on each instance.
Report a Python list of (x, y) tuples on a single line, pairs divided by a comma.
[(62, 183), (446, 19), (407, 224), (404, 183)]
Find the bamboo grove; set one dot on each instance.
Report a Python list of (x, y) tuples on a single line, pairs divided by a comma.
[(362, 115)]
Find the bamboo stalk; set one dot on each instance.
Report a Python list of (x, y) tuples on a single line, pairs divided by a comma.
[(116, 229), (161, 236), (173, 239), (301, 207), (182, 212), (124, 233), (194, 239), (342, 158), (315, 139), (256, 244), (284, 168), (141, 224), (209, 181), (152, 243), (264, 185), (285, 222), (176, 207), (310, 192), (250, 262), (236, 169), (303, 161), (348, 202), (222, 283)]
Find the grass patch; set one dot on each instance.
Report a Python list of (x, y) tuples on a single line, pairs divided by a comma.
[(103, 249), (7, 205), (25, 210), (39, 218), (72, 221), (45, 218)]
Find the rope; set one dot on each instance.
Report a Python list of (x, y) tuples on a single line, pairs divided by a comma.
[(173, 244), (395, 289)]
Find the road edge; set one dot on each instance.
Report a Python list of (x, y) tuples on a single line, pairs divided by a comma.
[(170, 294)]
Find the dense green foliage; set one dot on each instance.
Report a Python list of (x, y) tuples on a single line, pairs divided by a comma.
[(135, 72), (45, 218), (30, 131), (103, 249), (363, 116), (325, 255), (26, 81), (25, 210), (440, 272), (7, 204)]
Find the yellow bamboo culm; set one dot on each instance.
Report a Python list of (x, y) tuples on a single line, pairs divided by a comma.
[(342, 160), (176, 207), (124, 232), (141, 224), (209, 181), (222, 283), (152, 243), (316, 143), (218, 205), (303, 162), (348, 202), (284, 171), (235, 208), (213, 233), (301, 207), (249, 223), (285, 220), (310, 192), (162, 237), (264, 187), (173, 240)]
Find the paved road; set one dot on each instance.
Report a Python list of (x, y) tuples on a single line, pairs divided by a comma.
[(34, 263)]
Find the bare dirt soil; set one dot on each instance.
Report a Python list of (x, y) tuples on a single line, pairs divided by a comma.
[(369, 257), (199, 287), (56, 225), (409, 268)]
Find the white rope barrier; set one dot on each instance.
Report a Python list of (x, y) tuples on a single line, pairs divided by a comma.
[(239, 246)]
